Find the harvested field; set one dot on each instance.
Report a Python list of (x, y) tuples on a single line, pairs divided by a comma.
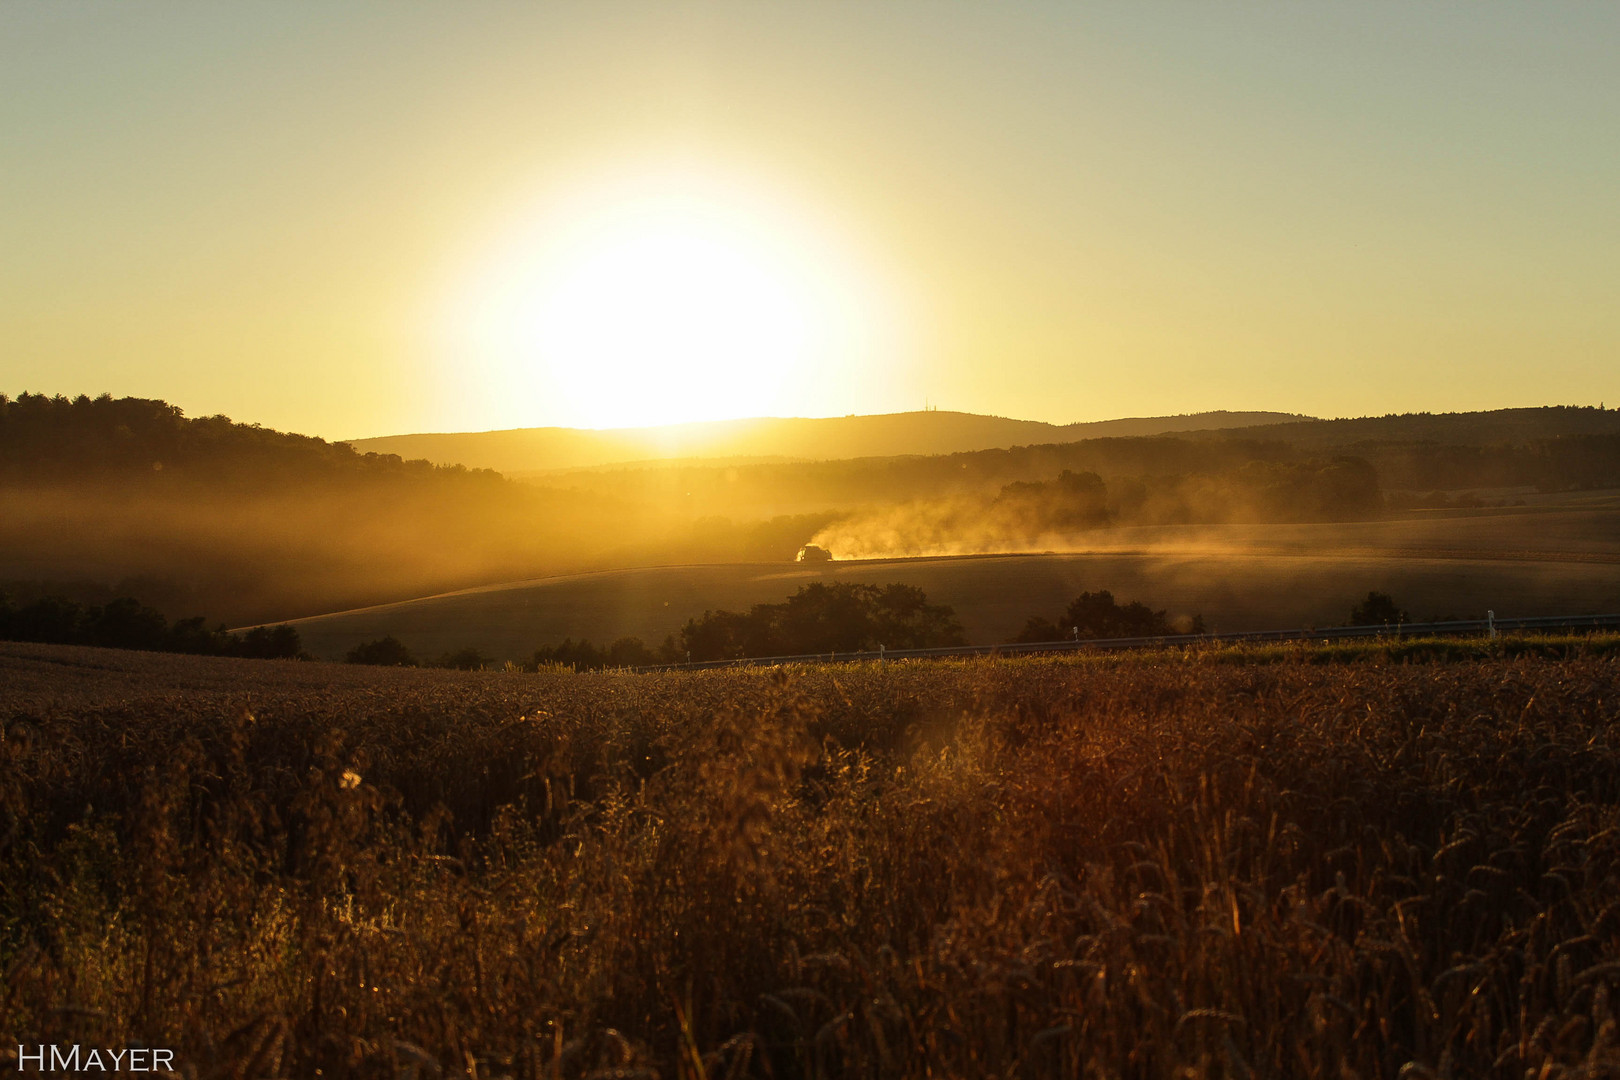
[(1521, 563), (1229, 863)]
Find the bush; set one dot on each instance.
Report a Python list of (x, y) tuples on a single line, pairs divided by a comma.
[(468, 659), (583, 656), (269, 643), (1096, 616), (384, 652), (1376, 609), (824, 618)]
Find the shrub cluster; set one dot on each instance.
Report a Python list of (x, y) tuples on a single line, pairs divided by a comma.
[(1378, 608), (391, 652), (579, 656), (1097, 615), (824, 618), (583, 656)]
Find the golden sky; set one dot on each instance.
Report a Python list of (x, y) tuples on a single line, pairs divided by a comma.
[(351, 219)]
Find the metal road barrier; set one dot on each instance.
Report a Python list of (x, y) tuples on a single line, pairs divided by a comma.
[(1459, 628)]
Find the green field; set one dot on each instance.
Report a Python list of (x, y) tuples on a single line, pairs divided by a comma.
[(1529, 561)]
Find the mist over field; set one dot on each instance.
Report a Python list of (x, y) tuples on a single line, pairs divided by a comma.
[(247, 525)]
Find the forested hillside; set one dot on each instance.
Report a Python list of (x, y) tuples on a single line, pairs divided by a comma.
[(246, 523), (83, 439)]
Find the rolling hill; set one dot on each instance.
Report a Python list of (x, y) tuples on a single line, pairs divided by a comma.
[(522, 451), (1491, 427)]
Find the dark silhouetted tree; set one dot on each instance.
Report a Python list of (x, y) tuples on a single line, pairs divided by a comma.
[(51, 619), (1075, 500), (727, 635), (468, 659), (127, 623), (270, 643), (1377, 609), (1096, 615), (384, 652), (1039, 629), (193, 636), (583, 656), (629, 652)]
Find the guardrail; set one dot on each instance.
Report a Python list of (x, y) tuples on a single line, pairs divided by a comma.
[(1457, 628)]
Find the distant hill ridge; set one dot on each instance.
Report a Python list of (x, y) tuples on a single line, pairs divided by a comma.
[(532, 450), (1494, 427)]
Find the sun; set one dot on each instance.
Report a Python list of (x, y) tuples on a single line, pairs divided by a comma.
[(673, 315), (668, 299)]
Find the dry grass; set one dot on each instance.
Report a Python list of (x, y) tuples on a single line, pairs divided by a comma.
[(1151, 866)]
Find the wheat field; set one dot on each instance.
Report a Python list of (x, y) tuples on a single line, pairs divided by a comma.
[(1391, 860)]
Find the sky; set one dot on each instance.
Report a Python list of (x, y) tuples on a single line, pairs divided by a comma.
[(364, 219)]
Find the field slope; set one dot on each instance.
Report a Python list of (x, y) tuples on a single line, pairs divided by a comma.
[(1519, 562)]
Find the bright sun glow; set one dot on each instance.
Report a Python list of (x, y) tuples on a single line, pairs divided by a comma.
[(669, 298)]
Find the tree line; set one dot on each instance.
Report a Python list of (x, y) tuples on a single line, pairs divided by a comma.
[(57, 438), (126, 623)]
